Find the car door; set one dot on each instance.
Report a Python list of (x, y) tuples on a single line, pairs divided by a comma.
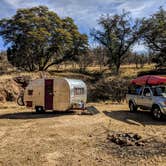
[(139, 96), (147, 97)]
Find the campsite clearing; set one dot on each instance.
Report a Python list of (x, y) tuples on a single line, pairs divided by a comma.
[(55, 138)]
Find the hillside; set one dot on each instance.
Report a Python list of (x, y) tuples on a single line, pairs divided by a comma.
[(79, 138), (101, 86)]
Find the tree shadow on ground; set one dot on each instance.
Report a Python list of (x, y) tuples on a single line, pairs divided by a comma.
[(138, 118), (33, 115)]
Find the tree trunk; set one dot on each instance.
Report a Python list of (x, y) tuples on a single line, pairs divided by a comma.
[(117, 68)]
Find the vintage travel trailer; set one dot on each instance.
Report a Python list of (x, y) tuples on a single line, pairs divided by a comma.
[(58, 94)]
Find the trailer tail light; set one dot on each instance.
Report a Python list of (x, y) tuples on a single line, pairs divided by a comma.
[(29, 103), (30, 92)]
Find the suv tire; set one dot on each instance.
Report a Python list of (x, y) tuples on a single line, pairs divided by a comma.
[(133, 107), (156, 112)]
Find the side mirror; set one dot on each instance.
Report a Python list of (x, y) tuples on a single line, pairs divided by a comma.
[(148, 94)]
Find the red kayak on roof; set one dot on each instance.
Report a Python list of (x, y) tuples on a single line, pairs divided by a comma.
[(149, 80)]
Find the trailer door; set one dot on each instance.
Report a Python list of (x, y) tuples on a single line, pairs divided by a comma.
[(49, 94)]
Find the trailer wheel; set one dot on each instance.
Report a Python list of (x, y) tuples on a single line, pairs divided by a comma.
[(132, 106), (39, 109), (156, 112)]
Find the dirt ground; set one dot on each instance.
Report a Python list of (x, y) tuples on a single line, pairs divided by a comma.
[(53, 138)]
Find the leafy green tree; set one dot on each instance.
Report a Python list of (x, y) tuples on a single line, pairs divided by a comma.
[(118, 34), (38, 38), (154, 35), (78, 44)]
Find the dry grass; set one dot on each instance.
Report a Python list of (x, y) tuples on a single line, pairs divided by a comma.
[(132, 71), (125, 71), (70, 139)]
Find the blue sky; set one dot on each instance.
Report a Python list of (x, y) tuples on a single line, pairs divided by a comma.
[(85, 12)]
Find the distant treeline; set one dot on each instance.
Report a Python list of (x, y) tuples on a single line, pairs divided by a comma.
[(38, 39)]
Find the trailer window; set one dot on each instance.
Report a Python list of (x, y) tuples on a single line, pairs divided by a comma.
[(78, 91), (30, 92)]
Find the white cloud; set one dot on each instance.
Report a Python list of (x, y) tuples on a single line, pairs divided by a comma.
[(13, 3), (86, 12), (142, 8), (139, 48)]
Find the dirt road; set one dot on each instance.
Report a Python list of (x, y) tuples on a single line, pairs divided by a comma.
[(27, 138)]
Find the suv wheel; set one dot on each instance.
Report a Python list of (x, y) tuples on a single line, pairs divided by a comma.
[(39, 109), (156, 112), (132, 106)]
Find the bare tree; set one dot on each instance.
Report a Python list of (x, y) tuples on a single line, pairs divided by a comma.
[(100, 56), (118, 34)]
